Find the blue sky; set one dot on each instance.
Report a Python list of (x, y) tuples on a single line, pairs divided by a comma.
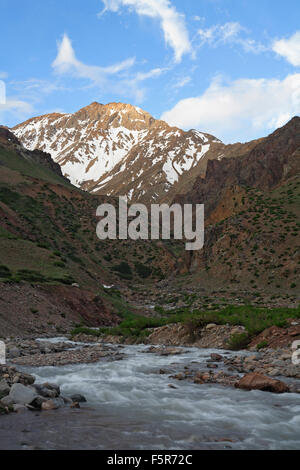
[(227, 67)]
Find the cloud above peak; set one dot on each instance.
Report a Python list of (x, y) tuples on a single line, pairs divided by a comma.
[(117, 78), (289, 49), (172, 22), (67, 63)]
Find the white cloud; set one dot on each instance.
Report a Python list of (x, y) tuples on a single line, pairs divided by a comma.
[(182, 82), (67, 63), (220, 33), (35, 88), (117, 78), (2, 92), (133, 84), (289, 48), (12, 104), (141, 76), (172, 22), (229, 33), (243, 108), (15, 109)]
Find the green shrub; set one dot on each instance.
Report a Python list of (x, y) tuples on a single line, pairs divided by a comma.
[(123, 268), (84, 330), (262, 345), (30, 275), (143, 271), (59, 264), (238, 341), (112, 292), (44, 245), (5, 272)]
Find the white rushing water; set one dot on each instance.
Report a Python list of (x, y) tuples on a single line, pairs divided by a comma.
[(131, 406)]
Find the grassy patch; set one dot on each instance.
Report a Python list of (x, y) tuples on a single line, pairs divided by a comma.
[(29, 168), (262, 345), (254, 319)]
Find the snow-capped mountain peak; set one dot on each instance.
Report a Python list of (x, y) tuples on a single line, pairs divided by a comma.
[(117, 148)]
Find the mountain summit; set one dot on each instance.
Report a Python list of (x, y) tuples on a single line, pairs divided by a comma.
[(119, 149)]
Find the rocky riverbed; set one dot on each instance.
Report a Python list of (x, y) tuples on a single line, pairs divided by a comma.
[(85, 349), (248, 372), (84, 380), (19, 393), (18, 390), (157, 397)]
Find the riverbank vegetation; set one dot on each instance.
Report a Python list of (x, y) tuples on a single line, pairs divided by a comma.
[(253, 319)]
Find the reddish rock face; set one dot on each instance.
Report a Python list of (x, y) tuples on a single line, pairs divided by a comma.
[(255, 381), (278, 337), (272, 160), (240, 195)]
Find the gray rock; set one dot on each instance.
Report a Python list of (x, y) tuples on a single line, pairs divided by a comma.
[(45, 392), (37, 402), (4, 388), (50, 386), (292, 371), (14, 352), (278, 363), (29, 379), (21, 395), (78, 398), (67, 401), (59, 402), (6, 401), (274, 373), (212, 366), (19, 408)]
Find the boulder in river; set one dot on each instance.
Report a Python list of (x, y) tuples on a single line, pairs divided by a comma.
[(47, 390), (255, 381), (78, 398), (216, 357)]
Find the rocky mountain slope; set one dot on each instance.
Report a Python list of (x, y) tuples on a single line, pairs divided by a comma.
[(252, 209), (53, 268), (270, 162), (118, 149), (9, 141)]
